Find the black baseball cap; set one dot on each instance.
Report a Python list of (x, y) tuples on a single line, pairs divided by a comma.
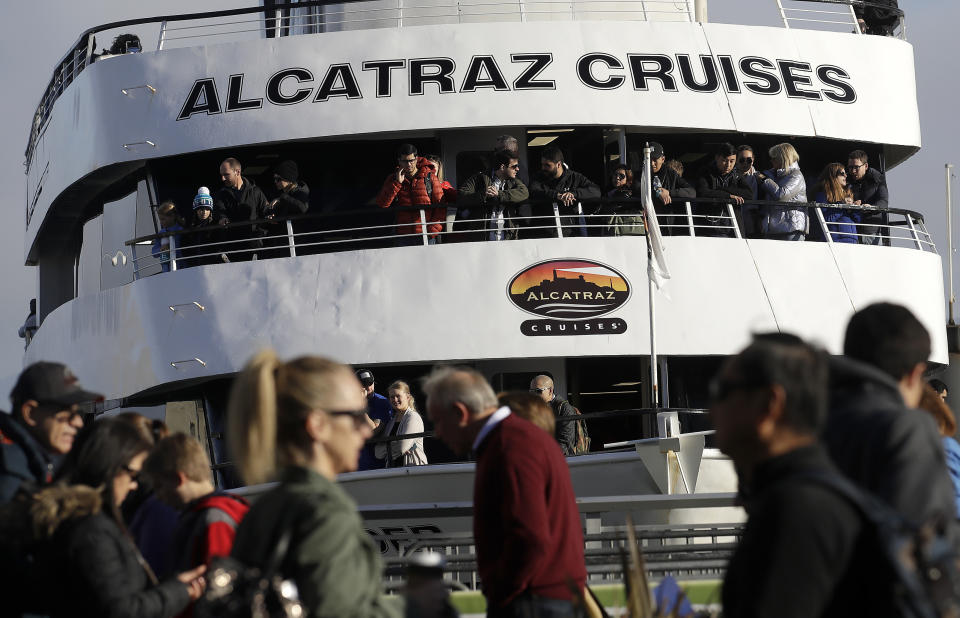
[(656, 150), (365, 376), (51, 383)]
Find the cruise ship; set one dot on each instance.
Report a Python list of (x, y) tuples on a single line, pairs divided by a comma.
[(337, 87)]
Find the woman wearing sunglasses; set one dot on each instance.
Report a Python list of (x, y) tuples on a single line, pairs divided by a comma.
[(832, 188), (303, 422)]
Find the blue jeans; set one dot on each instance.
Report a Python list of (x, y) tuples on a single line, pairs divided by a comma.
[(532, 606)]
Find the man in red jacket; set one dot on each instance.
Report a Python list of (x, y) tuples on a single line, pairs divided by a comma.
[(526, 525), (180, 473), (414, 183)]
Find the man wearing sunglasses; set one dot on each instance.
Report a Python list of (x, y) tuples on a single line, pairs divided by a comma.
[(494, 197), (802, 551), (869, 189), (566, 434), (42, 427)]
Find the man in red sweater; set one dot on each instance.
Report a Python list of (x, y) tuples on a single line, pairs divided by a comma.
[(526, 526), (414, 183), (180, 473)]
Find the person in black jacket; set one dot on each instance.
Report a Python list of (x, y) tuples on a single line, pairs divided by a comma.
[(869, 189), (566, 432), (42, 427), (237, 201), (89, 553), (721, 180), (873, 433), (293, 194), (564, 187), (494, 197), (667, 187), (806, 550)]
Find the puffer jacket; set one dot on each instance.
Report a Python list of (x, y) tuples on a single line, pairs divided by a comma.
[(413, 192), (784, 185), (95, 565)]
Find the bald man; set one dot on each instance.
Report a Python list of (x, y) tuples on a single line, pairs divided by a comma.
[(566, 433)]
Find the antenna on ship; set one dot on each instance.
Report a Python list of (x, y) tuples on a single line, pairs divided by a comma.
[(948, 168)]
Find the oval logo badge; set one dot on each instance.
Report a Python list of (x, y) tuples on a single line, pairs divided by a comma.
[(569, 289)]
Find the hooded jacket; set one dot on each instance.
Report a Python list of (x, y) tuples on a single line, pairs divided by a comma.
[(413, 192), (890, 450), (206, 529), (296, 201), (22, 459), (96, 568)]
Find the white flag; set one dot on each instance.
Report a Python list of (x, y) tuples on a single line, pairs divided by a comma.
[(657, 266)]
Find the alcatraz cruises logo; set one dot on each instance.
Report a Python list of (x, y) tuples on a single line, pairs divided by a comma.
[(571, 295)]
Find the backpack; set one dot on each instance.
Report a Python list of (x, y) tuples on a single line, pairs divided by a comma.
[(582, 443), (922, 561)]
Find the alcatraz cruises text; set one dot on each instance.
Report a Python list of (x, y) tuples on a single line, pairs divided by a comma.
[(522, 71)]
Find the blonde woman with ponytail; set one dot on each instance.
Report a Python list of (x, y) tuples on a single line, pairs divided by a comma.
[(302, 423)]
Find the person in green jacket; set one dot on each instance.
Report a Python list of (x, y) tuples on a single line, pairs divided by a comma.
[(302, 423), (494, 197)]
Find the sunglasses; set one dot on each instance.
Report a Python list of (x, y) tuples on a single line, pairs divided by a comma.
[(537, 391), (358, 416), (514, 167), (277, 179), (841, 173), (134, 474), (620, 176), (745, 159)]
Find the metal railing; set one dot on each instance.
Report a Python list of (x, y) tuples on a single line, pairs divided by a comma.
[(688, 551), (843, 15), (272, 238)]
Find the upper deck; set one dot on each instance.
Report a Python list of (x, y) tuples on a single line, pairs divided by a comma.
[(320, 71)]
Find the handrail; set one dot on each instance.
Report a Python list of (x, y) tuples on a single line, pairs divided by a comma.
[(600, 202)]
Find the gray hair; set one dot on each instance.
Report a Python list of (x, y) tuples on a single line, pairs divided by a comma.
[(446, 386)]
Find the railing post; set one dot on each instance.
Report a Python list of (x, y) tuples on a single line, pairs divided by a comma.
[(163, 35), (423, 227), (913, 232), (733, 221), (556, 218), (823, 225), (856, 22), (173, 253), (290, 241), (690, 219), (783, 15), (399, 13)]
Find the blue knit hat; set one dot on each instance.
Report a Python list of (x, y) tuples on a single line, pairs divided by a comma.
[(203, 199)]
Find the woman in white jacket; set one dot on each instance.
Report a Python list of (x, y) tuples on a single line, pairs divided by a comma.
[(406, 420), (783, 183)]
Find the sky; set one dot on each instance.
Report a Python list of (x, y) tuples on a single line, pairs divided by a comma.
[(28, 55)]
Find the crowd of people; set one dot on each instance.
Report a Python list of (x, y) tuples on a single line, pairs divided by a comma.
[(125, 518), (496, 204)]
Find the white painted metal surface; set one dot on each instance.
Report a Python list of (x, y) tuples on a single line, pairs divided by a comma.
[(100, 125), (396, 305)]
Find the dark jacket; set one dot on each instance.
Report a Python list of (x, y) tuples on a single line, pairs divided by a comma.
[(248, 203), (710, 183), (566, 433), (805, 551), (890, 450), (545, 187), (678, 187), (332, 559), (525, 519), (198, 243), (22, 459), (871, 189), (473, 200), (296, 201), (98, 572)]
